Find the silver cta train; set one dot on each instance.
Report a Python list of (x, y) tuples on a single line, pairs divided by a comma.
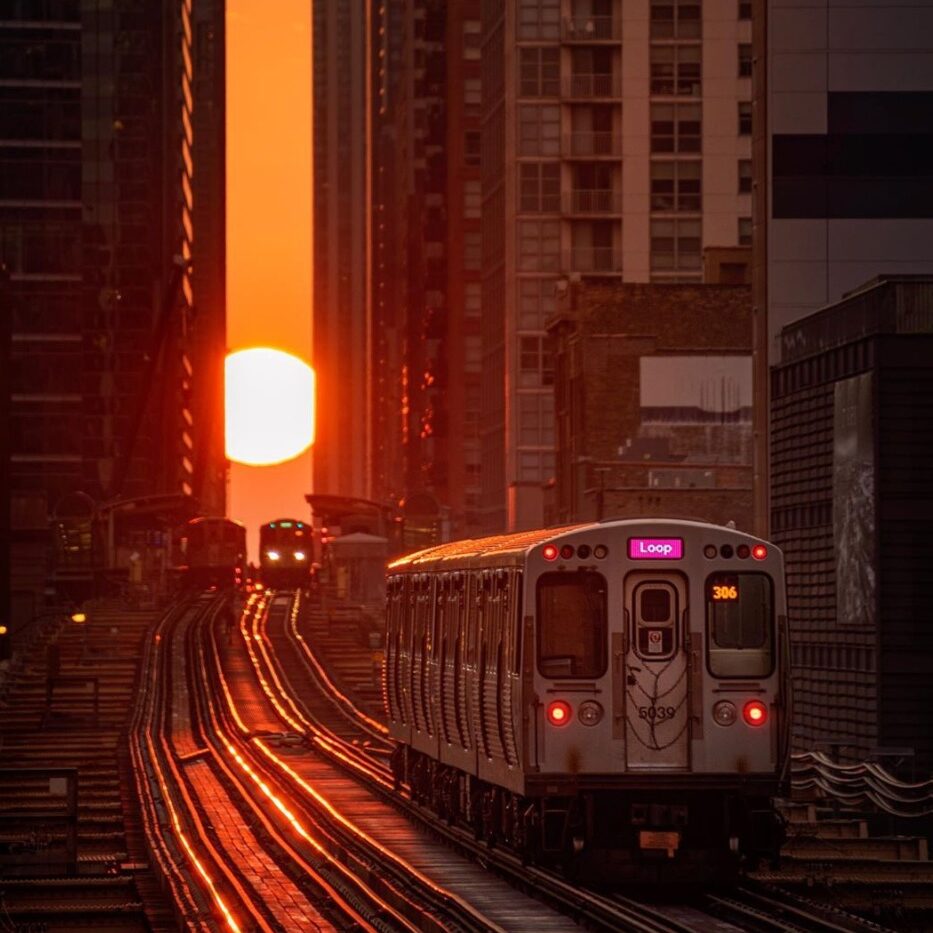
[(611, 696)]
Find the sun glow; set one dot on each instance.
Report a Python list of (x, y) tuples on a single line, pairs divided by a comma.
[(269, 398)]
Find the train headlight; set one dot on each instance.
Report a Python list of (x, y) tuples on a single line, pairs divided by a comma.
[(755, 713), (559, 713), (724, 713), (299, 555), (272, 555), (590, 712)]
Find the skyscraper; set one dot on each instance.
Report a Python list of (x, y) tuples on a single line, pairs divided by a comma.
[(616, 145), (339, 330), (425, 274), (97, 216)]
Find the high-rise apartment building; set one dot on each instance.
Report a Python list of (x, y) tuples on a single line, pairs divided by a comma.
[(616, 145), (97, 230), (426, 255), (340, 335)]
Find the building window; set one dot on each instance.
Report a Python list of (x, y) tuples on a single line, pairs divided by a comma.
[(472, 91), (675, 245), (675, 186), (745, 118), (537, 301), (472, 198), (472, 250), (675, 127), (471, 147), (535, 361), (745, 9), (745, 231), (535, 466), (538, 19), (539, 245), (539, 72), (472, 299), (676, 19), (745, 176), (745, 60), (536, 420), (675, 69), (539, 186), (539, 129), (472, 354)]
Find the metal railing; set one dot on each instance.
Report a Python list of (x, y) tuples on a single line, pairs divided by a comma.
[(590, 28), (592, 85), (592, 143), (596, 201), (594, 259)]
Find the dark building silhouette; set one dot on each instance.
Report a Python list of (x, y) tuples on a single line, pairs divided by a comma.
[(115, 359), (851, 506), (652, 401)]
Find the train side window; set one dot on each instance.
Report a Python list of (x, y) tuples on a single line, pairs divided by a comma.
[(572, 624), (740, 624)]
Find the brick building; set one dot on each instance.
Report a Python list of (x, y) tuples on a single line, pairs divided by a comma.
[(652, 402), (851, 505)]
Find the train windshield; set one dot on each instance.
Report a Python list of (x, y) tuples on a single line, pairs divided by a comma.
[(572, 624), (739, 612)]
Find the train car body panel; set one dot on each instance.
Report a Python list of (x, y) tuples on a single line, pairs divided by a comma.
[(214, 552)]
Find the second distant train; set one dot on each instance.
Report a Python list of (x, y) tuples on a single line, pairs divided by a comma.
[(285, 553)]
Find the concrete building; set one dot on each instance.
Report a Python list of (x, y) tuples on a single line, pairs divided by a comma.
[(653, 402), (425, 273), (616, 145), (852, 422), (97, 165), (339, 334)]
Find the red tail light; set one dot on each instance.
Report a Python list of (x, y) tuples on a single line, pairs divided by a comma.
[(755, 713), (759, 552), (550, 552), (558, 713)]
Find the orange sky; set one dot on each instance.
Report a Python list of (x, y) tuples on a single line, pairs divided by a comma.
[(269, 220)]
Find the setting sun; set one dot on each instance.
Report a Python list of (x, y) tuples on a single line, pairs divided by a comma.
[(269, 406)]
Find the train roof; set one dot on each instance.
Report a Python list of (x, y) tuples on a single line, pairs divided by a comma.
[(507, 549)]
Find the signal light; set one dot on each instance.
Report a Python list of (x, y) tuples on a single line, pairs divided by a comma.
[(726, 551), (558, 713), (759, 552), (566, 552), (742, 551), (583, 551), (710, 551), (3, 630), (600, 551), (78, 617), (755, 713), (550, 552)]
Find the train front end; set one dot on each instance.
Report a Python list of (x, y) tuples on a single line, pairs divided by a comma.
[(656, 698)]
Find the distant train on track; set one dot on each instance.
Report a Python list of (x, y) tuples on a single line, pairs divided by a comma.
[(285, 553), (613, 696), (213, 552)]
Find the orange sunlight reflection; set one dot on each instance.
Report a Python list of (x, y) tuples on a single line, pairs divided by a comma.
[(269, 220)]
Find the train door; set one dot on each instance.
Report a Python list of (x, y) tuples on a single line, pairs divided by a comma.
[(655, 672)]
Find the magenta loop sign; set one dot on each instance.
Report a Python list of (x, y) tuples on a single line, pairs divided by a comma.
[(655, 548)]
